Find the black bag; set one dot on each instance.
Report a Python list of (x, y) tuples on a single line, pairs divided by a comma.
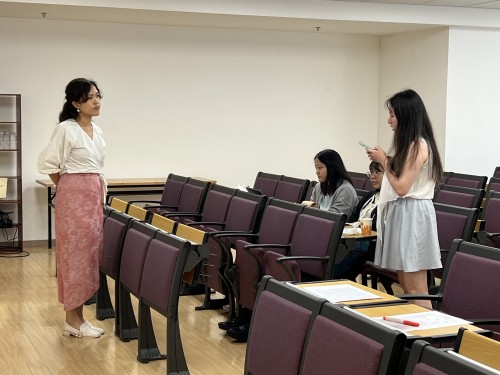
[(5, 221)]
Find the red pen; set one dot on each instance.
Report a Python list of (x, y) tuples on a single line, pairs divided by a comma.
[(401, 321)]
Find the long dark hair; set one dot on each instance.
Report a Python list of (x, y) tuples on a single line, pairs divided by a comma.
[(335, 171), (76, 91), (413, 124)]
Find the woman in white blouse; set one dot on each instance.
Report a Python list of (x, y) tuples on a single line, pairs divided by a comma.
[(74, 160)]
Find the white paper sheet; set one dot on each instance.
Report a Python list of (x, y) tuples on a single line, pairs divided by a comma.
[(340, 293), (426, 320)]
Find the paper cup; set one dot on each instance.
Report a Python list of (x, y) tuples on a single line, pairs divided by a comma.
[(366, 227)]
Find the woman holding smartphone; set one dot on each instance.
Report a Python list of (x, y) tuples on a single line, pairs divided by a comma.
[(408, 238)]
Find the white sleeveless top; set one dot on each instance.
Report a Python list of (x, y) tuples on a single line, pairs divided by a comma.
[(422, 188)]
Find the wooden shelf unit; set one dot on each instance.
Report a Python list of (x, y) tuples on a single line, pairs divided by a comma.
[(11, 169)]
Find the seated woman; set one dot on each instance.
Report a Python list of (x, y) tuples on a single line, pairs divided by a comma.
[(334, 192), (352, 263), (367, 206)]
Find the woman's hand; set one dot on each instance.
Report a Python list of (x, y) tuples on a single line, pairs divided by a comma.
[(377, 154)]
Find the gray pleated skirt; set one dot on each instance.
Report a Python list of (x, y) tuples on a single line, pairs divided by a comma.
[(408, 239)]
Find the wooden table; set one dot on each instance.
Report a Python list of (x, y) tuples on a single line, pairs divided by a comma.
[(116, 186)]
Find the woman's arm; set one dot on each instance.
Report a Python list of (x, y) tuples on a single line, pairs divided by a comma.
[(410, 170), (344, 200)]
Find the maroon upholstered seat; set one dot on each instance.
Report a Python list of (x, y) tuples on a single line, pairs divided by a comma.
[(276, 227), (134, 252), (490, 232), (170, 196), (166, 260), (214, 209), (191, 201), (467, 180), (316, 235), (115, 227), (341, 342), (292, 189), (278, 330), (243, 216), (267, 183), (459, 196)]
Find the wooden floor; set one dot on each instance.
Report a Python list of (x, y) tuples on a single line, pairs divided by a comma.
[(31, 322)]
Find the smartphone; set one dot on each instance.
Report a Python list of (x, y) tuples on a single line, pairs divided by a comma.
[(365, 145)]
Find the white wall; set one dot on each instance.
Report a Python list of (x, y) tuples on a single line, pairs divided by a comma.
[(473, 109), (418, 61), (222, 104)]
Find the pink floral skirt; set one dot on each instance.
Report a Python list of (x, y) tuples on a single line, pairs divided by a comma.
[(79, 237)]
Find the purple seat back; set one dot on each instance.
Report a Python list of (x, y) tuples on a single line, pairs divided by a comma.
[(491, 219), (335, 349), (158, 273), (289, 191), (216, 206), (273, 347), (450, 226), (368, 185), (191, 198), (463, 182), (134, 252), (491, 215), (172, 192), (241, 214), (114, 232), (276, 227), (312, 237), (471, 288), (266, 186), (455, 198), (358, 182), (494, 186)]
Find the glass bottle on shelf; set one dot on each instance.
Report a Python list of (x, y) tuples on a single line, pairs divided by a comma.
[(6, 140), (2, 141), (13, 141)]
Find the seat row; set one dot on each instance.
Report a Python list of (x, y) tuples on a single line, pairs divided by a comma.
[(253, 235), (252, 242), (150, 264), (283, 187), (327, 338)]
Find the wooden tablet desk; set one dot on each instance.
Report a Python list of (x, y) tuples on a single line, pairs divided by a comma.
[(384, 297), (436, 334), (116, 187), (388, 305)]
